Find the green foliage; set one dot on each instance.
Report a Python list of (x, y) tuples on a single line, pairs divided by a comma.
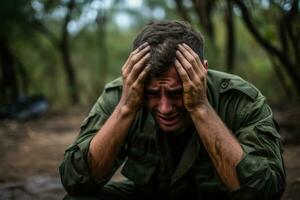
[(20, 24)]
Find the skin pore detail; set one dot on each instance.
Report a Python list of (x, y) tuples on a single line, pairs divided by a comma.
[(164, 98)]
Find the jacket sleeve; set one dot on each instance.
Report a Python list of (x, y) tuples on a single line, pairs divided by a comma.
[(261, 171), (74, 170)]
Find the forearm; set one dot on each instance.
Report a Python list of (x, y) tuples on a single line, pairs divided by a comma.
[(106, 144), (222, 146)]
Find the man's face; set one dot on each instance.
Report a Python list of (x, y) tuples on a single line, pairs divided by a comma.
[(164, 98)]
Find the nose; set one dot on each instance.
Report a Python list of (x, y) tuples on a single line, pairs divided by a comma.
[(165, 105)]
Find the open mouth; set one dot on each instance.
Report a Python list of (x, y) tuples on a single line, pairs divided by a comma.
[(168, 121)]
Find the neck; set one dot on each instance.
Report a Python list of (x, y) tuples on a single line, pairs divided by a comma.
[(179, 132)]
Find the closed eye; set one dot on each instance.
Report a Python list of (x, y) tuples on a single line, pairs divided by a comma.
[(175, 92), (151, 92)]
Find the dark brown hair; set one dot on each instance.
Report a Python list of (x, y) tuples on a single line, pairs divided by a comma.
[(164, 37)]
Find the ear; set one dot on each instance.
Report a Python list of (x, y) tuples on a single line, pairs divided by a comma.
[(205, 64)]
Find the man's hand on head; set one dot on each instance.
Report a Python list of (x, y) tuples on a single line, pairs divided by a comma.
[(134, 73), (210, 127), (193, 75)]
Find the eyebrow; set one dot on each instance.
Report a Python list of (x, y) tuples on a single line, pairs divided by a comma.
[(175, 90), (171, 90)]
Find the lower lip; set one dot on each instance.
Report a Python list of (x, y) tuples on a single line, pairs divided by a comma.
[(168, 122)]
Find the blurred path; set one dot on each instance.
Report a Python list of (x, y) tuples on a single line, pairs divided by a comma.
[(31, 152)]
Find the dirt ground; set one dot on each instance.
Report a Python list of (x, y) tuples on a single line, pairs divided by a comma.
[(31, 152)]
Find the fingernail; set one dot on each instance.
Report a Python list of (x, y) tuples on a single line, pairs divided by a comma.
[(147, 67)]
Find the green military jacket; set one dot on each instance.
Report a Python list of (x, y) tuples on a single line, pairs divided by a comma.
[(242, 108)]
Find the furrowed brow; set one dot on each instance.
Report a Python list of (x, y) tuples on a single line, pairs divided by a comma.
[(176, 90), (151, 90)]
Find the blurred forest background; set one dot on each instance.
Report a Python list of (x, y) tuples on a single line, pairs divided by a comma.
[(57, 55), (67, 50)]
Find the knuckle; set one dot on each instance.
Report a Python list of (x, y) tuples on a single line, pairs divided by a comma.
[(202, 78), (132, 53), (187, 87), (124, 75), (128, 79), (134, 87), (129, 83), (185, 76), (134, 58), (191, 59), (194, 62), (131, 62), (135, 67), (189, 67)]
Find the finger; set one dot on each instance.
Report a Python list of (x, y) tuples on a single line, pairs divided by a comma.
[(132, 60), (182, 73), (138, 68), (145, 44), (189, 68), (142, 76), (195, 55), (144, 48), (192, 58), (190, 50)]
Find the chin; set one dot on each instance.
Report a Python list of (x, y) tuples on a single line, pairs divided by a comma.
[(169, 129)]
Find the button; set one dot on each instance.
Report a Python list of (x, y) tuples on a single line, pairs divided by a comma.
[(224, 84)]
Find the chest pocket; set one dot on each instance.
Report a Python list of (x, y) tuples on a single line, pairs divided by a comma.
[(141, 162)]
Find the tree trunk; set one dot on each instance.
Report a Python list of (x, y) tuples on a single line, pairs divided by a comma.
[(289, 66), (203, 9), (103, 53), (182, 11), (65, 53), (230, 42), (8, 83)]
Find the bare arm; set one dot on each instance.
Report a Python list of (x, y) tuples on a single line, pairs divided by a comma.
[(106, 144), (223, 148)]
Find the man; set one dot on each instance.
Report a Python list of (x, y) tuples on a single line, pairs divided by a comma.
[(184, 131)]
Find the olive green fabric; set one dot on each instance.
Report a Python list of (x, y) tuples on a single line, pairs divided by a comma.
[(147, 157), (124, 190)]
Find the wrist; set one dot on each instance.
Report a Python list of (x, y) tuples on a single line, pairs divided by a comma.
[(125, 110), (201, 111)]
